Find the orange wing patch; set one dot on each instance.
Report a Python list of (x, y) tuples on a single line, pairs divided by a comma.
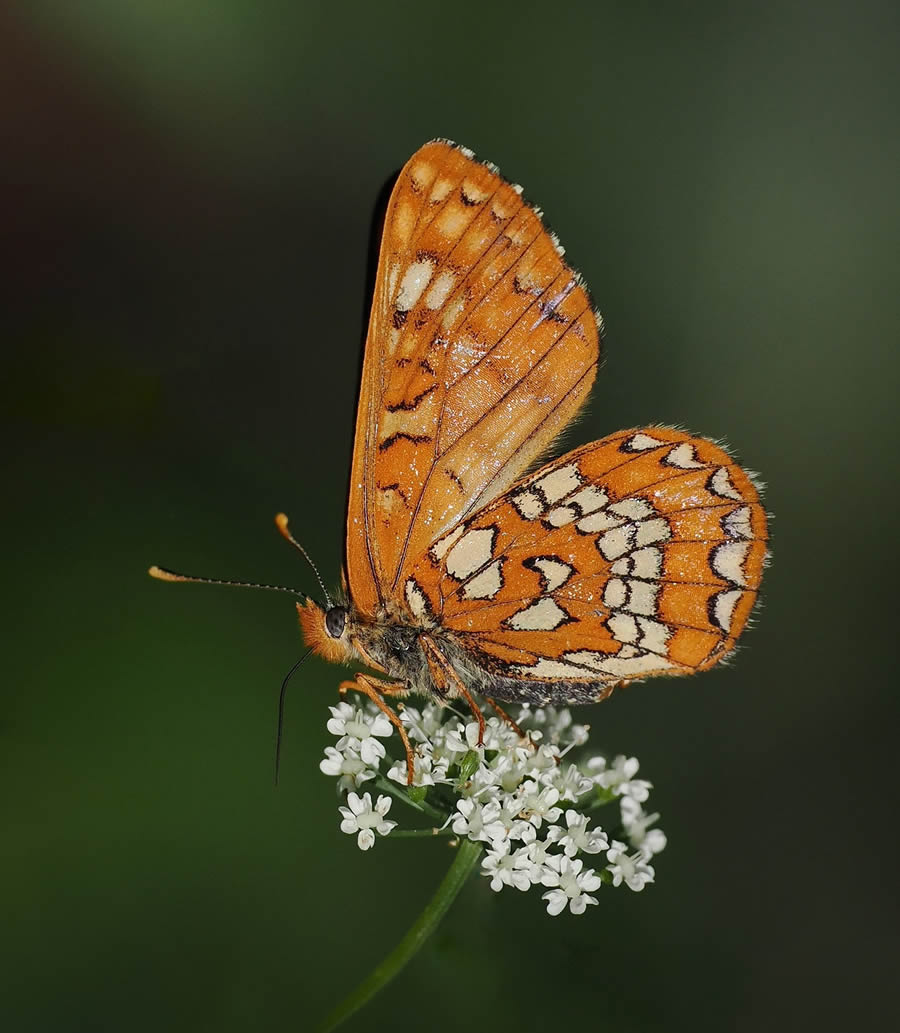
[(639, 554), (482, 346)]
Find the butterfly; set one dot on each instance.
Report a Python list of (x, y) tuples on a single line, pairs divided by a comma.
[(464, 574)]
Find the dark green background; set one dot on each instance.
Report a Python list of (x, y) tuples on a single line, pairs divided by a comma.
[(187, 196)]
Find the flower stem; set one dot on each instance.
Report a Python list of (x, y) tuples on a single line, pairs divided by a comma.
[(466, 858), (422, 834), (401, 794)]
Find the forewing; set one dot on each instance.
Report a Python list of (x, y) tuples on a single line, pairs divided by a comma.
[(482, 346), (639, 554)]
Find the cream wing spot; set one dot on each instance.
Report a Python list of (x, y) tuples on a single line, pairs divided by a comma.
[(543, 615), (554, 573), (599, 521), (453, 311), (643, 563), (642, 597), (640, 443), (452, 221), (440, 548), (615, 595), (616, 543), (558, 483), (404, 221), (417, 601), (415, 280), (421, 174), (684, 456), (737, 523), (440, 190), (727, 560), (502, 211), (632, 509), (635, 667), (472, 551), (588, 499), (650, 531), (472, 193), (559, 516), (529, 504), (723, 606), (550, 669), (440, 289), (654, 635), (623, 627), (588, 658), (720, 484), (486, 584)]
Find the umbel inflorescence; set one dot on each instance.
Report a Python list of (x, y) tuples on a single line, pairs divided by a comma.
[(527, 798)]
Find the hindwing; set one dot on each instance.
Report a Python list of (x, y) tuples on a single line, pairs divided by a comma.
[(639, 554)]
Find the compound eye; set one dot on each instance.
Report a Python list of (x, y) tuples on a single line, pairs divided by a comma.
[(336, 621)]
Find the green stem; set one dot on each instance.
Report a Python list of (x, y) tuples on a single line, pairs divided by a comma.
[(422, 833), (466, 858), (420, 805)]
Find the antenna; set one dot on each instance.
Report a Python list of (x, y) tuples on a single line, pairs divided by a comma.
[(281, 522), (281, 696), (161, 574)]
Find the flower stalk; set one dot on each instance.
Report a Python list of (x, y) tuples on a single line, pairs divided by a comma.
[(521, 806), (466, 858)]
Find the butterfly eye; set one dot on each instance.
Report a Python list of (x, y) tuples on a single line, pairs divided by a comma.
[(336, 621)]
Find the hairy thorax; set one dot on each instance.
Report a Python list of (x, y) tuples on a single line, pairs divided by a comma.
[(388, 643)]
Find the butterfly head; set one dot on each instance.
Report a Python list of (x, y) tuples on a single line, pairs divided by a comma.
[(326, 631)]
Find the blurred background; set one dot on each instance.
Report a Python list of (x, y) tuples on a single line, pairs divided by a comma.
[(187, 196)]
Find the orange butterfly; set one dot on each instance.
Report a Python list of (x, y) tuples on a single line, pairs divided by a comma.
[(639, 554)]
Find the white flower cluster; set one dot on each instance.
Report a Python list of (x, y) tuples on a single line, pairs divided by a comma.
[(524, 799)]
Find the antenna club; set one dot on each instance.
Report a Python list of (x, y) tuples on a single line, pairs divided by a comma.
[(161, 574), (281, 522)]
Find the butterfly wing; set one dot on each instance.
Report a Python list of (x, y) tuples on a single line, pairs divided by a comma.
[(482, 346), (636, 555)]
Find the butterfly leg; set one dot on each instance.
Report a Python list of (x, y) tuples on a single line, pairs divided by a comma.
[(376, 691), (502, 714), (448, 682)]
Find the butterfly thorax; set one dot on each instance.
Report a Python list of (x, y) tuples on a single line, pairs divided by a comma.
[(388, 642)]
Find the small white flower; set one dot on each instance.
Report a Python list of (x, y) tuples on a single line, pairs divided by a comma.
[(578, 734), (556, 723), (570, 782), (637, 827), (633, 870), (483, 784), (507, 825), (472, 818), (572, 886), (577, 836), (507, 772), (506, 868), (361, 817), (351, 768), (539, 851), (463, 738), (357, 729), (422, 725), (537, 804), (595, 767), (425, 771), (620, 780), (543, 759)]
